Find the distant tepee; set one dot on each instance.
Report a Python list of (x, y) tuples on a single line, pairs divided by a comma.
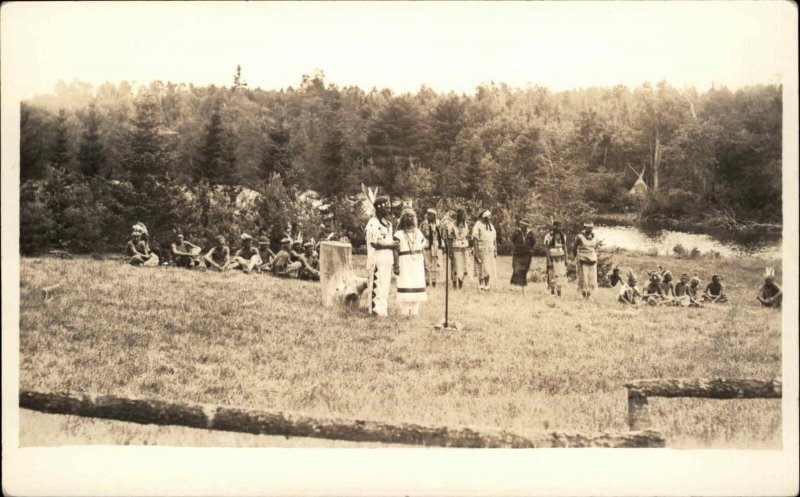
[(639, 189)]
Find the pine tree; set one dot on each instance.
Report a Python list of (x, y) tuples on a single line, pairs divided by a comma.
[(447, 120), (34, 137), (476, 166), (559, 182), (333, 180), (147, 154), (217, 164), (278, 156), (238, 82), (60, 156), (91, 156)]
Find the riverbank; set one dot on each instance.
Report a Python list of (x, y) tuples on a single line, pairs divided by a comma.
[(627, 231), (616, 219), (710, 226)]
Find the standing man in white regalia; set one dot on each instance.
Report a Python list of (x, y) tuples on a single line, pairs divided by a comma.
[(380, 257)]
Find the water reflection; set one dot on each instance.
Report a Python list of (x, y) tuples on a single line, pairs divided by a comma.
[(767, 246)]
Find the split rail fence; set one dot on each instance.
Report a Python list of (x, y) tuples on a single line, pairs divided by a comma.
[(264, 422), (719, 388), (261, 422)]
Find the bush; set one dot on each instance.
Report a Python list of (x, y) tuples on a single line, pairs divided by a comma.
[(229, 219), (695, 253), (78, 211), (609, 192), (347, 219), (679, 251), (275, 210), (672, 203), (605, 265)]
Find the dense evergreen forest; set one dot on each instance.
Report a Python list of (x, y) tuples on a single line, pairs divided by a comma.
[(94, 161)]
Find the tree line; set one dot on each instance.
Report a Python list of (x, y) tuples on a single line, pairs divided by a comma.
[(209, 160)]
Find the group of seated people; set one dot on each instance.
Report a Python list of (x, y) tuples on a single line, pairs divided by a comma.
[(294, 259), (660, 290)]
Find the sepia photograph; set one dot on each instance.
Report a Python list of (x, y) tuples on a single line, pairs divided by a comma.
[(391, 225)]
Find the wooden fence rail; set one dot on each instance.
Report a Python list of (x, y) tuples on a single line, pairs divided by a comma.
[(149, 411), (719, 388)]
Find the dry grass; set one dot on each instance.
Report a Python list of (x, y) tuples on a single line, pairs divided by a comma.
[(524, 361)]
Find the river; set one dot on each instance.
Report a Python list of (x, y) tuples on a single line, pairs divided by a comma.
[(663, 242)]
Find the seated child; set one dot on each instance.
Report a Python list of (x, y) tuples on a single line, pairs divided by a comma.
[(615, 278), (770, 293), (714, 291), (667, 288), (629, 294), (683, 293), (653, 293)]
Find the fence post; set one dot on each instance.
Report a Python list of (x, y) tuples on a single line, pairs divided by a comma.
[(638, 410)]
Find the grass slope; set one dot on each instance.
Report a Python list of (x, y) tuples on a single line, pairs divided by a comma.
[(524, 362)]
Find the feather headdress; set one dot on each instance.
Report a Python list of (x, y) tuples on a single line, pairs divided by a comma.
[(368, 204), (140, 228), (769, 272)]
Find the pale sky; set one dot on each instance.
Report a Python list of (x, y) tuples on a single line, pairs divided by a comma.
[(445, 45)]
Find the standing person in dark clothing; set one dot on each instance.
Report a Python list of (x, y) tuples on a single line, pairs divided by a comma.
[(523, 241)]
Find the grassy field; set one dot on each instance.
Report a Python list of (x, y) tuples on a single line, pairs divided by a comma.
[(524, 362)]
